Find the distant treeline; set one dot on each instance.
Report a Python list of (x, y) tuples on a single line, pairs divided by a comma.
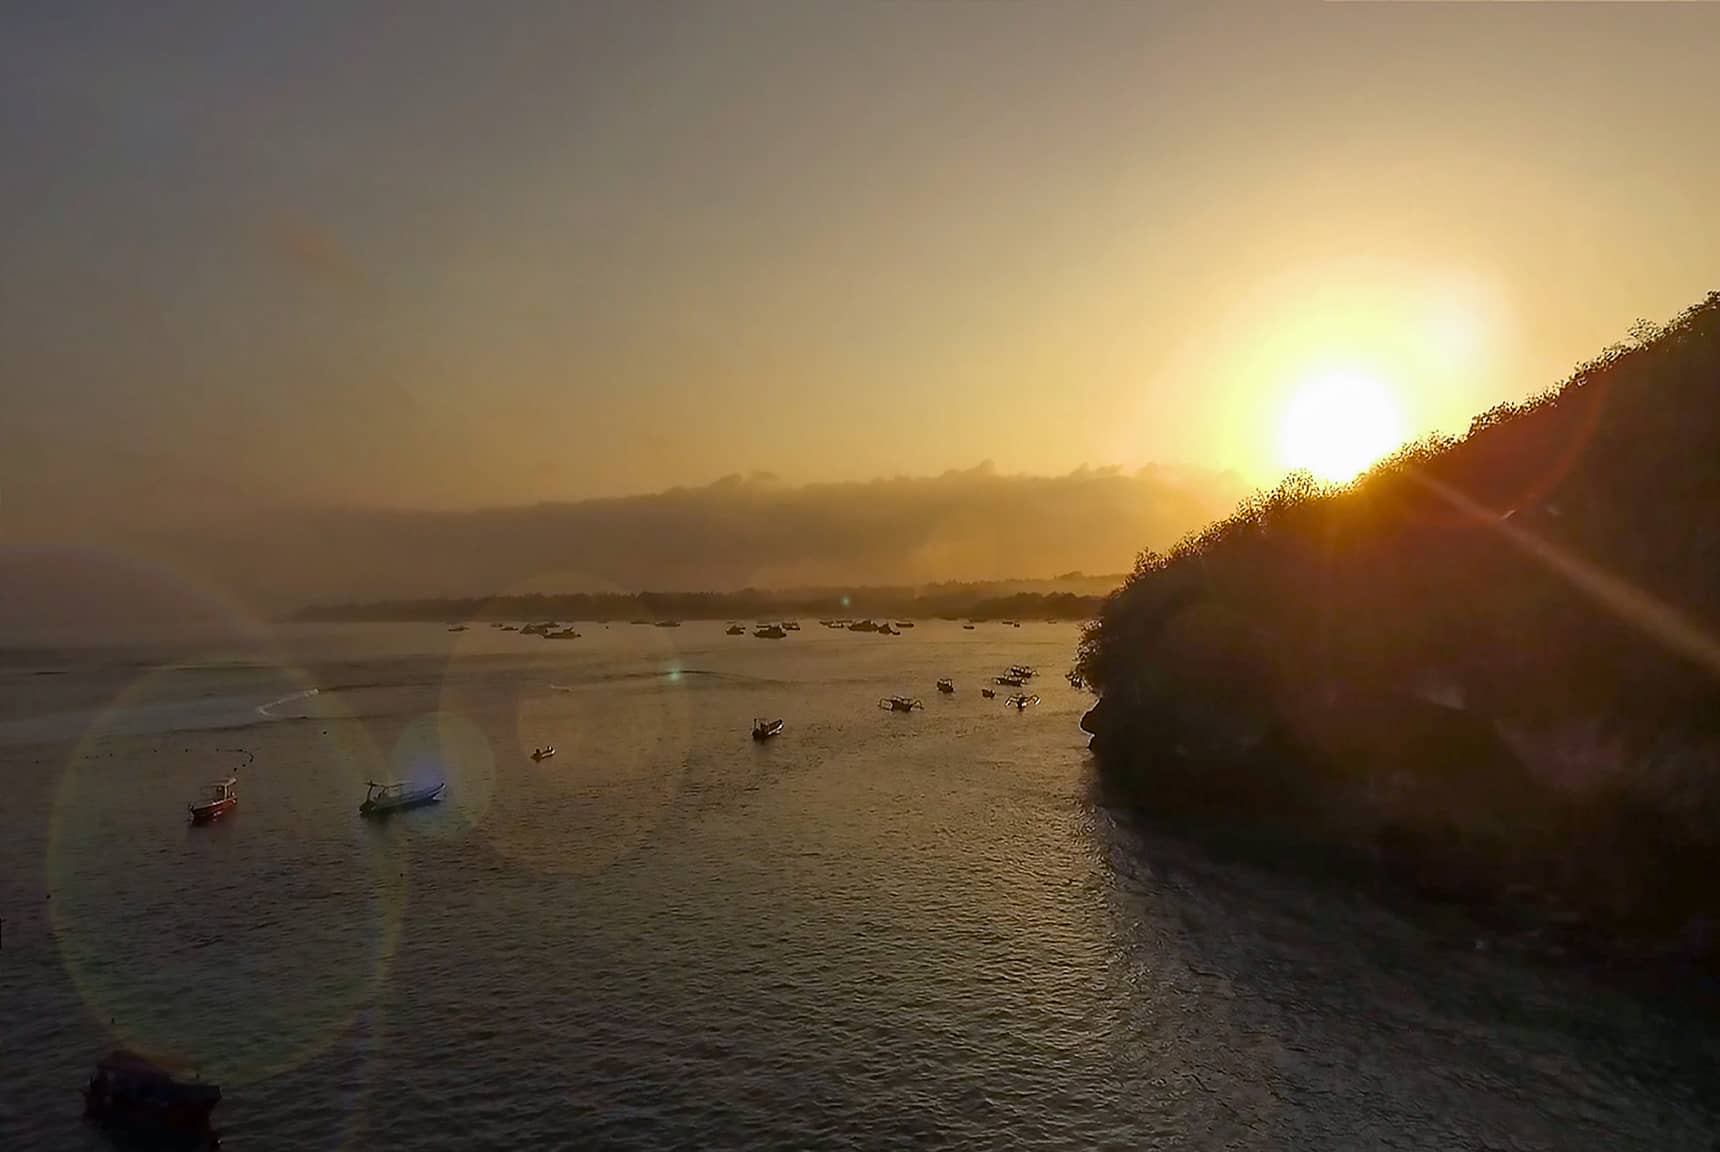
[(1490, 666), (956, 601)]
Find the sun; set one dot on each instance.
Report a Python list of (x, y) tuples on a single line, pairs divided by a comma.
[(1337, 425)]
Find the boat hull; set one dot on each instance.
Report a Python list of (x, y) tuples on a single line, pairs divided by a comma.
[(213, 810)]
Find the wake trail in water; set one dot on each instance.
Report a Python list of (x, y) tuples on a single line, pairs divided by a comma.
[(267, 710)]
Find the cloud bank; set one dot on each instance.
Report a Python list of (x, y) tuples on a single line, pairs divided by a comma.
[(753, 531)]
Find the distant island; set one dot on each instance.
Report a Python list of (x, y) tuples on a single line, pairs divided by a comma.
[(1489, 668), (1072, 597)]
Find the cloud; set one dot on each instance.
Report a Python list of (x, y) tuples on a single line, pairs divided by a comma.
[(737, 532)]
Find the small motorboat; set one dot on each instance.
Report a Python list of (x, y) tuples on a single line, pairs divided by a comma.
[(771, 632), (904, 623), (791, 625), (988, 693), (946, 686), (543, 753), (218, 800), (645, 622), (1021, 702), (564, 634), (383, 799), (140, 1100), (967, 627), (764, 729), (1008, 680), (736, 630), (899, 704)]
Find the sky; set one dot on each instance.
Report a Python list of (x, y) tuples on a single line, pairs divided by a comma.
[(451, 256)]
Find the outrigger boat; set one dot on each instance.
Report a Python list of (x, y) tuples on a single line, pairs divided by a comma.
[(899, 704), (139, 1100), (946, 685), (764, 729), (543, 753), (218, 800), (382, 799)]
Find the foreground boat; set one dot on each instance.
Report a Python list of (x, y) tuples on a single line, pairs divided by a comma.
[(764, 729), (383, 799), (218, 800), (137, 1099), (899, 704)]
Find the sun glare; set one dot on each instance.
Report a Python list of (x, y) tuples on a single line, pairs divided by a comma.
[(1337, 425)]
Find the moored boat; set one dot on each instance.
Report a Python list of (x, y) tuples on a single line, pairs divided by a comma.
[(1021, 702), (764, 729), (382, 799), (863, 626), (884, 629), (771, 632), (1022, 670), (899, 704), (988, 693), (565, 634), (135, 1097), (1008, 680), (218, 800), (946, 686), (543, 753), (735, 630)]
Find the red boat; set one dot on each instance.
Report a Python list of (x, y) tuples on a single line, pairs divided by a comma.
[(134, 1097), (220, 799)]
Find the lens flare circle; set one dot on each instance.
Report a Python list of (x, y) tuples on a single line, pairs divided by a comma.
[(216, 948)]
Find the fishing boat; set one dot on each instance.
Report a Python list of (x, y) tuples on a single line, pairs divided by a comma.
[(904, 623), (791, 625), (764, 729), (946, 686), (736, 630), (218, 800), (1023, 671), (564, 634), (863, 626), (543, 753), (967, 627), (1021, 702), (899, 704), (771, 632), (457, 628), (140, 1100), (988, 693), (382, 799), (1008, 680)]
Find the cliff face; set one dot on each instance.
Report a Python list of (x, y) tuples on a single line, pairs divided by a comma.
[(1490, 664)]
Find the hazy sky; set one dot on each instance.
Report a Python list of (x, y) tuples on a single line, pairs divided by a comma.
[(453, 255)]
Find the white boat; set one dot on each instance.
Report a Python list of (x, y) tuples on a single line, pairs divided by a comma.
[(381, 799)]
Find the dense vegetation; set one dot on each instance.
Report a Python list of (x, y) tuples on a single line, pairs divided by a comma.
[(1489, 664), (996, 601)]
